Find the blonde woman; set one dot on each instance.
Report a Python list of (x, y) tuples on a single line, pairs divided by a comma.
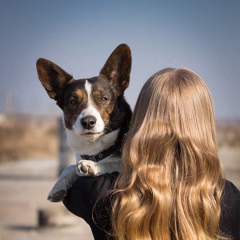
[(171, 185)]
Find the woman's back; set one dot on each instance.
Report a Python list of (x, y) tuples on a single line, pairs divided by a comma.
[(170, 185)]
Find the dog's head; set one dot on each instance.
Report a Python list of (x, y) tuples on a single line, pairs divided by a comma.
[(95, 106)]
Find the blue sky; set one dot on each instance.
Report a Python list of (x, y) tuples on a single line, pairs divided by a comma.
[(80, 35)]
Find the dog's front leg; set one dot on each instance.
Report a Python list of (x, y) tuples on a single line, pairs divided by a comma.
[(65, 181)]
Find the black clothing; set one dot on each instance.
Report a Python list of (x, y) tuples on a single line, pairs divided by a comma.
[(81, 200), (86, 191)]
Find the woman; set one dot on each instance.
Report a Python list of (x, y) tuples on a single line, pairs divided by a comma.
[(171, 184)]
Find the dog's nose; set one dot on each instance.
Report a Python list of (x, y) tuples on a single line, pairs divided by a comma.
[(88, 122)]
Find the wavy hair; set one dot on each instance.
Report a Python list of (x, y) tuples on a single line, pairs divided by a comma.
[(171, 180)]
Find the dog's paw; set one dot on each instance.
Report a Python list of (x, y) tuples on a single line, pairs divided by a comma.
[(88, 167), (57, 196), (58, 192)]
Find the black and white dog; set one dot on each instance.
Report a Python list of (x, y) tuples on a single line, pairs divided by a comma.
[(96, 115)]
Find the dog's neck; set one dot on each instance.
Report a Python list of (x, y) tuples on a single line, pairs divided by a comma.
[(86, 146)]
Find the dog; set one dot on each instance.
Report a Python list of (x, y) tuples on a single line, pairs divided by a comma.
[(96, 115)]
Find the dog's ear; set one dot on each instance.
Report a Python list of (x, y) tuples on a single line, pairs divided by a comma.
[(118, 67), (53, 78)]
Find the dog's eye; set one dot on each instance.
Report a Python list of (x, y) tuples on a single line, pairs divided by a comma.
[(103, 99), (73, 101)]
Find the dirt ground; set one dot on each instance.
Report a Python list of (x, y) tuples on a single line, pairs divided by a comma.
[(24, 186)]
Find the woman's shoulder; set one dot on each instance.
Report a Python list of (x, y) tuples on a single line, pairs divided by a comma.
[(230, 196), (97, 183), (230, 210), (230, 191), (93, 186)]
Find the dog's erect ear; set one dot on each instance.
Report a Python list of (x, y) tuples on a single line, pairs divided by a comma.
[(53, 78), (118, 67)]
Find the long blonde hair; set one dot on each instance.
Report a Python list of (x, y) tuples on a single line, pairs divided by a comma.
[(171, 180)]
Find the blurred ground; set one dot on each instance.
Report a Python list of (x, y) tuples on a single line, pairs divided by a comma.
[(24, 186)]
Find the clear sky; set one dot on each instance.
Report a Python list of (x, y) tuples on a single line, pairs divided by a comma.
[(79, 35)]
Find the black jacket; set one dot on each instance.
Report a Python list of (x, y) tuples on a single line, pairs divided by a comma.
[(86, 191)]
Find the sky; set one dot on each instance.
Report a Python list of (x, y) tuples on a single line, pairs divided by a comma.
[(79, 36)]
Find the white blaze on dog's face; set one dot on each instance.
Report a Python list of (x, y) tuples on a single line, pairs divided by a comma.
[(89, 122)]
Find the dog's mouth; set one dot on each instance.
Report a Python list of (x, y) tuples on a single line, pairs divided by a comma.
[(91, 134)]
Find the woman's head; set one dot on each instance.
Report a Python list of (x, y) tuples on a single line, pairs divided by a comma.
[(179, 101), (170, 174)]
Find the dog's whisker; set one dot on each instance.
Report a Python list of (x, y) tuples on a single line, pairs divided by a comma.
[(108, 129)]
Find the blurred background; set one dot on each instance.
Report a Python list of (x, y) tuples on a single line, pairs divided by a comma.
[(79, 35)]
